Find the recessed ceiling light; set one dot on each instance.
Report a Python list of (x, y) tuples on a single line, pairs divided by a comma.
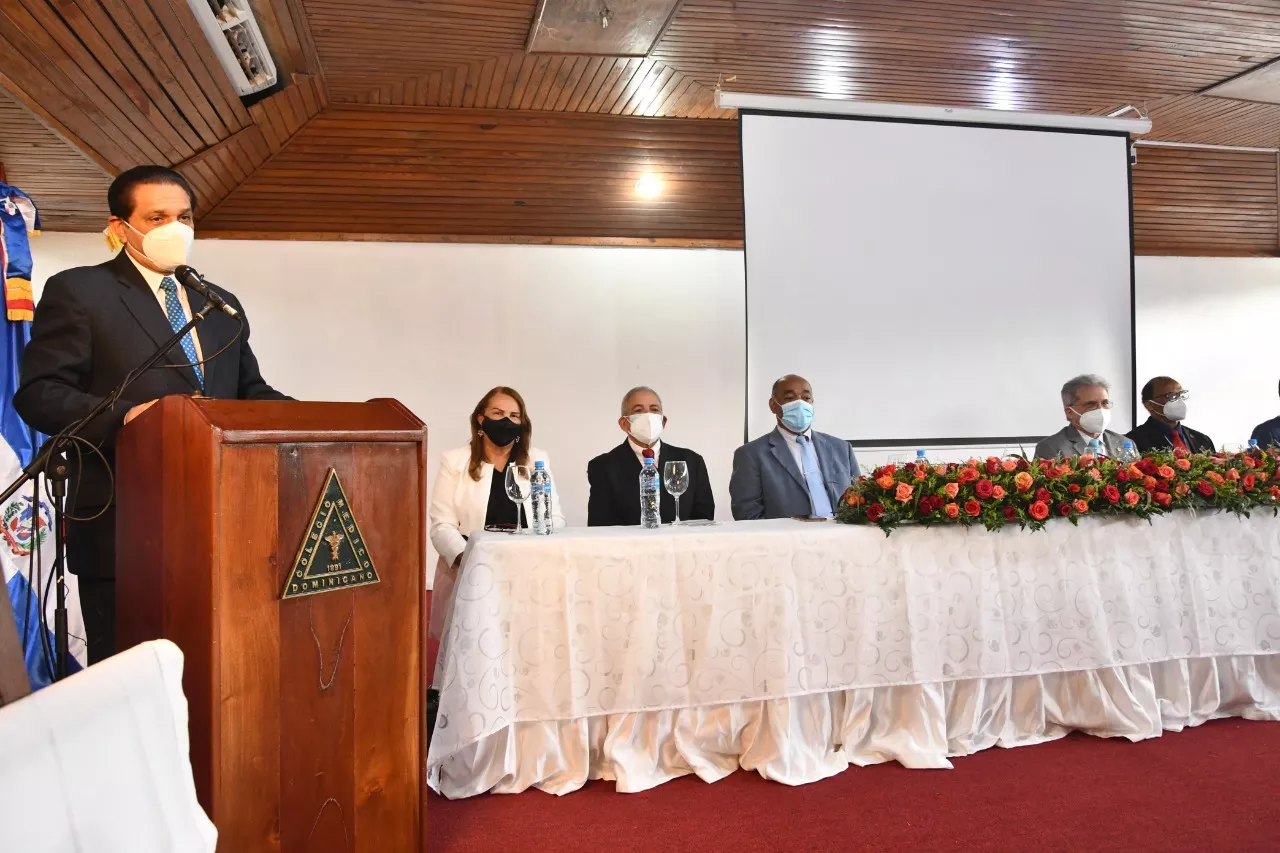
[(649, 186)]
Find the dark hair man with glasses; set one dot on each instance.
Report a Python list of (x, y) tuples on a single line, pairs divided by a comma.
[(1166, 402)]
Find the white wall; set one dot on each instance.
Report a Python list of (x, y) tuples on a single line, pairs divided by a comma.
[(437, 325), (1214, 325)]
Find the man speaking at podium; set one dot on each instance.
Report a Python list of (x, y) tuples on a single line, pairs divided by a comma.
[(93, 325)]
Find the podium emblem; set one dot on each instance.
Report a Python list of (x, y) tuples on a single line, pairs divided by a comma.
[(333, 554)]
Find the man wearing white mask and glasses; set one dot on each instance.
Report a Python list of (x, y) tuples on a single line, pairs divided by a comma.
[(1166, 402), (95, 324), (614, 477), (792, 471), (1086, 402)]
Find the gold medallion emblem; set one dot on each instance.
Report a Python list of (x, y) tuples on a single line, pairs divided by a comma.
[(345, 562)]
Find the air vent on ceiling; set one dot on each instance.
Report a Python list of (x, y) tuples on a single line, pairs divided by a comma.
[(232, 30)]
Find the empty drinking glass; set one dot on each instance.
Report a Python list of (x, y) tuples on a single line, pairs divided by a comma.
[(675, 476), (517, 483)]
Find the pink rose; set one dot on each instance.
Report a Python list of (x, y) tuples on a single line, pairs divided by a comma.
[(951, 490)]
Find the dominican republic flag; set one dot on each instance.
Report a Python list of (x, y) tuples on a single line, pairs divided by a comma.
[(26, 525)]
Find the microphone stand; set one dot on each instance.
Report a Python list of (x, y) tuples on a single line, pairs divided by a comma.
[(52, 463)]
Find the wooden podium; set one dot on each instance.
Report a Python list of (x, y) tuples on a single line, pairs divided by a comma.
[(308, 713)]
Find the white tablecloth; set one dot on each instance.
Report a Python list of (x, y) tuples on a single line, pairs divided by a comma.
[(100, 763), (797, 648)]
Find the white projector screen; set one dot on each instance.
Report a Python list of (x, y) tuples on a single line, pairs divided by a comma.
[(979, 266)]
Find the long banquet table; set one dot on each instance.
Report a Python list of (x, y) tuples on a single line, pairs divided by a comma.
[(796, 649)]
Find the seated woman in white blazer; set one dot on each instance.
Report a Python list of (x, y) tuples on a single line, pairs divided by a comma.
[(470, 489)]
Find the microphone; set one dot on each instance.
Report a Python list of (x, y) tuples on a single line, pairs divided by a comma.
[(192, 279)]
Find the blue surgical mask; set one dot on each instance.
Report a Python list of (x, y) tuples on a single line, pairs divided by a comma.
[(797, 415)]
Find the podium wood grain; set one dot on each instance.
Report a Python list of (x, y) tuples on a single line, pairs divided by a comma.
[(307, 717)]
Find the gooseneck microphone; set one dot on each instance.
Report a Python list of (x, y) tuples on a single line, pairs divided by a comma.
[(193, 280)]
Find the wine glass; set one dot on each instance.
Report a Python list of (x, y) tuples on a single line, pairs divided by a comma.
[(675, 476), (517, 482)]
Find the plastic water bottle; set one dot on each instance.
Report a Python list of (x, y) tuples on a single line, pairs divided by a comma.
[(650, 493), (921, 459), (540, 498), (1128, 453)]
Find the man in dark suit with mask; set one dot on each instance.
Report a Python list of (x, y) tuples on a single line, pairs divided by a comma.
[(93, 325), (1166, 403), (614, 477)]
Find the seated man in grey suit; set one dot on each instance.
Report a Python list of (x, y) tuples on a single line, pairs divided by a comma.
[(792, 471), (1087, 405)]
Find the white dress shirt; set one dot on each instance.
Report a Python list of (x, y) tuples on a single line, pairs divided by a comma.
[(153, 279), (794, 446), (639, 450)]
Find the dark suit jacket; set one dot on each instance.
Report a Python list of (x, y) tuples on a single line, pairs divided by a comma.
[(95, 324), (1153, 435), (614, 479)]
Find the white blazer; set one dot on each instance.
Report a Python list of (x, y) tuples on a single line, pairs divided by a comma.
[(459, 503)]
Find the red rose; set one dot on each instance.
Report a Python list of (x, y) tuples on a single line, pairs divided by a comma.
[(874, 512), (1249, 462), (1042, 495), (993, 465), (1023, 465), (889, 469), (984, 488), (1249, 482), (968, 475), (1131, 497), (1064, 508), (1162, 486), (1164, 499), (1122, 475), (1073, 489), (1146, 466), (1205, 488), (1111, 493), (972, 507), (1039, 510), (1181, 452), (1010, 513)]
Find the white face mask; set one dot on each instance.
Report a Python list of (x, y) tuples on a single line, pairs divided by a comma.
[(646, 427), (1095, 422), (1176, 410), (168, 245)]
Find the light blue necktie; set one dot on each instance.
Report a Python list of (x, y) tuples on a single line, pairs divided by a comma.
[(813, 476), (178, 319)]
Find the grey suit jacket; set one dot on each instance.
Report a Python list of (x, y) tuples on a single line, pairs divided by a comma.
[(767, 483), (1069, 442)]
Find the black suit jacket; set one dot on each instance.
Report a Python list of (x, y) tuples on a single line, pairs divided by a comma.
[(95, 324), (1152, 435), (614, 480)]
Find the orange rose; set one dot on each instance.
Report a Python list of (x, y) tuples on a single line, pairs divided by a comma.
[(1135, 473), (1009, 465), (853, 498), (998, 492), (1095, 474), (885, 481), (1081, 506), (1166, 472), (1149, 483), (1023, 481), (951, 490), (1131, 497), (1182, 489), (972, 507), (969, 474), (1233, 475), (1038, 510), (1183, 464), (1214, 477), (904, 492), (941, 470), (921, 473), (1090, 492), (951, 510)]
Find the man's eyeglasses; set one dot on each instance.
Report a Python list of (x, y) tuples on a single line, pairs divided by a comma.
[(1169, 398)]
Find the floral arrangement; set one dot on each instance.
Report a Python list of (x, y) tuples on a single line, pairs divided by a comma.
[(1015, 490)]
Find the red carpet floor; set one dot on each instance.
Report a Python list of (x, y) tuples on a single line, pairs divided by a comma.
[(1213, 788)]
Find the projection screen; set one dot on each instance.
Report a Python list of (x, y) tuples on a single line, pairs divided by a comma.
[(937, 283)]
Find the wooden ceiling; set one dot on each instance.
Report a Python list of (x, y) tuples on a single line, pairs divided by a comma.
[(403, 100)]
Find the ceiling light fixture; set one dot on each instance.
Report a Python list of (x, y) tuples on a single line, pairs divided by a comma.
[(649, 186)]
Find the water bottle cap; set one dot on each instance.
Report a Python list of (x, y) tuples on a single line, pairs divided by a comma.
[(1128, 445), (919, 453), (539, 464), (1253, 442)]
